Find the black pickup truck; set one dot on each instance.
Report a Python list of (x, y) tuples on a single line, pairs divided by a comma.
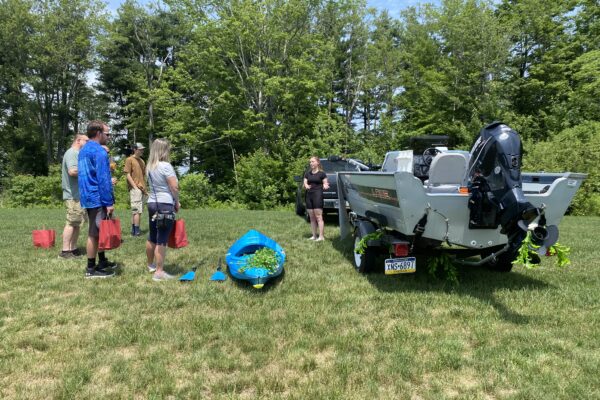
[(331, 166)]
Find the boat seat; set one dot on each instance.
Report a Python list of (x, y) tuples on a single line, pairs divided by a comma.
[(396, 161), (446, 173)]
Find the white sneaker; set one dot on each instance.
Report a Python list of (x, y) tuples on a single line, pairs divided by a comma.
[(162, 276), (151, 268), (312, 238)]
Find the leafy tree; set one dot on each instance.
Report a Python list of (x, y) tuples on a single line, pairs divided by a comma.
[(20, 150), (453, 57), (139, 47), (541, 52), (583, 99), (251, 77), (60, 57), (383, 75)]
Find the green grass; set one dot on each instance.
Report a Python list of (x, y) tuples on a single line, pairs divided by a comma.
[(323, 331)]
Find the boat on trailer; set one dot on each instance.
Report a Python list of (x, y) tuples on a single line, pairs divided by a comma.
[(243, 249), (459, 202)]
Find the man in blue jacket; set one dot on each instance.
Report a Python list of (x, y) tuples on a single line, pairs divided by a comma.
[(96, 195)]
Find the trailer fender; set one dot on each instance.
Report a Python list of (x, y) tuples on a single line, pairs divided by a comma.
[(365, 227), (366, 262)]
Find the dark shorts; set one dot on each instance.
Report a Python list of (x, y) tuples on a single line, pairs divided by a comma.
[(95, 215), (314, 200), (155, 235)]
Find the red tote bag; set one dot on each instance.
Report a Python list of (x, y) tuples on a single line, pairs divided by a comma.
[(178, 237), (110, 234), (44, 238)]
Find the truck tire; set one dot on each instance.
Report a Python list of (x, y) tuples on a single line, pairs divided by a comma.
[(366, 262), (300, 209)]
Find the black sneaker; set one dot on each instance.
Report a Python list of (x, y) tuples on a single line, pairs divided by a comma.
[(98, 273), (107, 265), (77, 253), (66, 254)]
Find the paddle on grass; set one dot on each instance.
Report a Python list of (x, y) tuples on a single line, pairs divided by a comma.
[(189, 276), (218, 275)]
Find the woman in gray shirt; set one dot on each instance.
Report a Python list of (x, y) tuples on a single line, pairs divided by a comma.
[(163, 203)]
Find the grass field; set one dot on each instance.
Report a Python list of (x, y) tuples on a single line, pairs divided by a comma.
[(323, 331)]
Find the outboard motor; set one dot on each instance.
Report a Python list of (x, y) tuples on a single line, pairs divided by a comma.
[(496, 195)]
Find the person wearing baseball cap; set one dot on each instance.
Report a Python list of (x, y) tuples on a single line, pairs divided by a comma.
[(135, 170)]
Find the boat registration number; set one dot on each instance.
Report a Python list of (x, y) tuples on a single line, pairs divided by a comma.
[(402, 265)]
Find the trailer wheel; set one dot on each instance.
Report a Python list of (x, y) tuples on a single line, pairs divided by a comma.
[(300, 208), (364, 263)]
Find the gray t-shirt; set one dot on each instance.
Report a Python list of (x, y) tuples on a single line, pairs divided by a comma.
[(70, 187), (159, 188)]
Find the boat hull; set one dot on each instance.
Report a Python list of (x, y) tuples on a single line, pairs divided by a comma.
[(398, 200), (240, 251)]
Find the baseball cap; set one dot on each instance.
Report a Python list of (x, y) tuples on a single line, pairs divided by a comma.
[(138, 145)]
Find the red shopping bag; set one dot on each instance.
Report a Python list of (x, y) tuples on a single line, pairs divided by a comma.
[(178, 236), (44, 238), (110, 234)]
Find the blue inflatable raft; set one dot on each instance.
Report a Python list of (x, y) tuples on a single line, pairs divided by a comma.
[(239, 252)]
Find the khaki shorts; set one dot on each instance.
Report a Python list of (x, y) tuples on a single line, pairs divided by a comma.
[(75, 214), (137, 199)]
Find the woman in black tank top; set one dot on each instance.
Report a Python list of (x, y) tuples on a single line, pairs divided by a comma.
[(315, 180)]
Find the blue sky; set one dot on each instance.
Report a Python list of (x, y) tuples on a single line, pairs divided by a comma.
[(393, 6)]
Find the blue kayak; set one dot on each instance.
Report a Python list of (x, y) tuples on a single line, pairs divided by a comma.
[(244, 248)]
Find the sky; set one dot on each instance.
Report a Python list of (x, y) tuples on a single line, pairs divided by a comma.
[(393, 6)]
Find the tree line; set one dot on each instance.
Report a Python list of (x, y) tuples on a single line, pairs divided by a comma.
[(246, 90)]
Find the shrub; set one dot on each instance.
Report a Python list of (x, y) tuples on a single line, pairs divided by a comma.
[(46, 191), (575, 149), (120, 189), (195, 191), (29, 191), (261, 181)]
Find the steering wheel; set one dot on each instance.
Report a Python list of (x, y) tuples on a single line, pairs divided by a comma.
[(428, 155)]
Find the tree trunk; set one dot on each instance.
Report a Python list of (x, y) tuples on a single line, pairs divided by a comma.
[(64, 125), (49, 137), (150, 122)]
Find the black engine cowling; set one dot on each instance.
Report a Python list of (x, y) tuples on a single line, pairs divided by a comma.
[(496, 195)]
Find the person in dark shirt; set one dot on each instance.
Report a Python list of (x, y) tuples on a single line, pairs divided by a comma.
[(315, 180)]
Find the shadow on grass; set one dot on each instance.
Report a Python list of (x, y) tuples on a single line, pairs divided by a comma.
[(476, 282), (177, 269), (247, 286)]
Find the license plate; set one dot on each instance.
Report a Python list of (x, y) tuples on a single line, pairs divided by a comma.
[(402, 265)]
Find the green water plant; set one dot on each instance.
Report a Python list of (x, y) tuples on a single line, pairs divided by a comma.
[(362, 245), (562, 254), (525, 258), (441, 265), (263, 258)]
